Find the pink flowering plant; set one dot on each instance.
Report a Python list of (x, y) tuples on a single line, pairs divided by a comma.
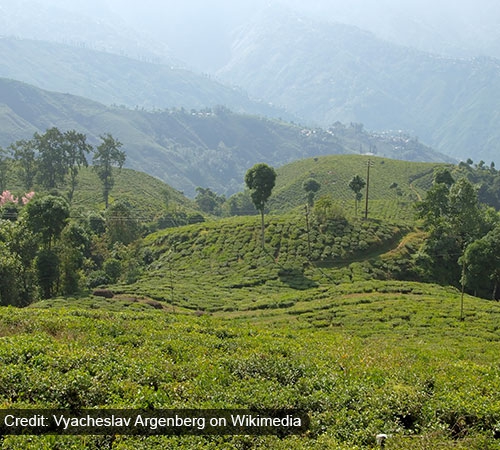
[(7, 197), (27, 197)]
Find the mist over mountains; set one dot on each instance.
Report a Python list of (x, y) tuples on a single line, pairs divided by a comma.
[(429, 71)]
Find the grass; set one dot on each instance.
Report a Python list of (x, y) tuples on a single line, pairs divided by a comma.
[(148, 196)]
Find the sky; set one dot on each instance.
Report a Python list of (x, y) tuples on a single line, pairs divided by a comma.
[(199, 31)]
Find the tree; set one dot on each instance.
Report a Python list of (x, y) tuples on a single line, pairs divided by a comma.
[(454, 219), (208, 201), (75, 149), (443, 176), (465, 215), (3, 169), (52, 158), (311, 186), (356, 185), (73, 247), (46, 217), (9, 285), (482, 261), (47, 267), (435, 208), (25, 156), (106, 156), (260, 179), (240, 204)]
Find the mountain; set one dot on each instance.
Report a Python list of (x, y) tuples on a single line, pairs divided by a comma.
[(210, 148), (325, 72), (114, 79), (79, 24)]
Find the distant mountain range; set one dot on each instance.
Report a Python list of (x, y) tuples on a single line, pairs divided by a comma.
[(113, 79), (285, 66), (209, 147), (326, 72)]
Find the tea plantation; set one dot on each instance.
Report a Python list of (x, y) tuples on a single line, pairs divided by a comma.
[(329, 317), (375, 357)]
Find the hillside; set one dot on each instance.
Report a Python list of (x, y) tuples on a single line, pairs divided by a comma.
[(148, 196), (327, 72), (394, 185), (210, 148), (323, 319), (113, 79)]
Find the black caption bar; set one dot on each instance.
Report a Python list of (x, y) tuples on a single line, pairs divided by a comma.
[(152, 422)]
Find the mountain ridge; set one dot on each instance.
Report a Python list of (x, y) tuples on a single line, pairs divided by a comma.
[(327, 72), (210, 147)]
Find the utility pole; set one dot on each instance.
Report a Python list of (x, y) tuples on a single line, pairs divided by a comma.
[(463, 290), (368, 164), (308, 231)]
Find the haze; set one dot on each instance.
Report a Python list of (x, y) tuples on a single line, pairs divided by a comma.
[(198, 32)]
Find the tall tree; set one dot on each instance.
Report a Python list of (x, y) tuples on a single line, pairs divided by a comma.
[(454, 218), (24, 154), (482, 260), (107, 156), (47, 217), (356, 185), (75, 149), (466, 216), (52, 157), (311, 186), (260, 179)]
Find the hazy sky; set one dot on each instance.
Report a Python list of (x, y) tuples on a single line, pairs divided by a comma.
[(199, 31)]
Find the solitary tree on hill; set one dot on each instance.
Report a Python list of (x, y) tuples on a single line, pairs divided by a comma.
[(260, 179), (311, 186), (106, 156), (357, 184)]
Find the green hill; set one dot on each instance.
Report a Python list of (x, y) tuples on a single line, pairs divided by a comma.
[(359, 360), (317, 321), (394, 185), (209, 148), (148, 196)]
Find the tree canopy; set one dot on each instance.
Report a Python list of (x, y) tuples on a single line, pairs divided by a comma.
[(260, 179), (107, 156)]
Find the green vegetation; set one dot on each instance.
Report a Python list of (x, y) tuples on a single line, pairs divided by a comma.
[(328, 313), (260, 180), (375, 357), (107, 156)]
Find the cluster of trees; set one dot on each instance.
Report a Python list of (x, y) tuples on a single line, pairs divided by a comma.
[(462, 246), (487, 177), (54, 158), (46, 251)]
